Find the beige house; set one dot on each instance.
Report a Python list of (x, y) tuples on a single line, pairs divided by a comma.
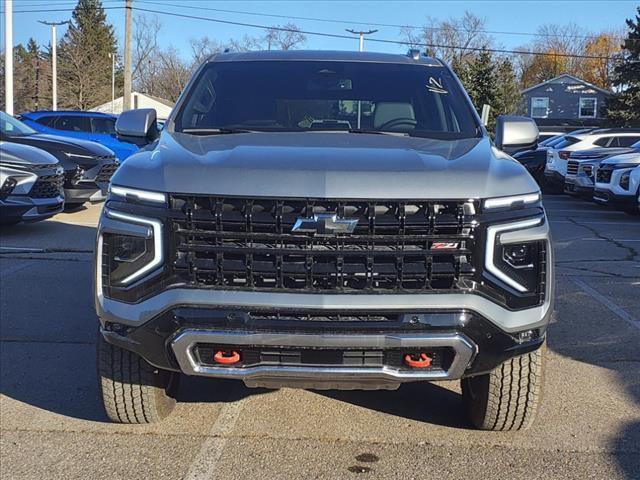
[(138, 100)]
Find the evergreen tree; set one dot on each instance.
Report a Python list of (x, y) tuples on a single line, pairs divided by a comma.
[(624, 109), (84, 65), (28, 80)]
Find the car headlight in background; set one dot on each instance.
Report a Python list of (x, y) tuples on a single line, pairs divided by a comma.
[(129, 256), (588, 170), (516, 264), (624, 180), (7, 187), (512, 202)]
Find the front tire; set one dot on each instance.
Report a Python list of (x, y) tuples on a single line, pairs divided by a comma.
[(508, 397), (133, 391)]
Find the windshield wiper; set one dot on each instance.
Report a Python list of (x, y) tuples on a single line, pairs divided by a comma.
[(377, 132), (215, 131)]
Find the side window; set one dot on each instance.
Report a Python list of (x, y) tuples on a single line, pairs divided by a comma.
[(73, 124), (103, 125), (587, 107), (539, 107), (603, 142), (627, 141), (46, 121)]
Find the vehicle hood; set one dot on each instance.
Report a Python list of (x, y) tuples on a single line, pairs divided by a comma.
[(325, 165), (25, 154), (632, 158), (599, 153), (71, 145)]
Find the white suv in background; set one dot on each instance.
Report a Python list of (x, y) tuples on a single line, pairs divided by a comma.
[(558, 153), (618, 182)]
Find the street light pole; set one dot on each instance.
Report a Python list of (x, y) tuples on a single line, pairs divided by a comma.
[(361, 49), (54, 61), (126, 97), (113, 82), (361, 34), (8, 56)]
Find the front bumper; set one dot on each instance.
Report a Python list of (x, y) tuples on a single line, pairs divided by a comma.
[(578, 185), (22, 208), (607, 197), (321, 354)]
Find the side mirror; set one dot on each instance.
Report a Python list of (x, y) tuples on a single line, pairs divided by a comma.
[(515, 134), (137, 126)]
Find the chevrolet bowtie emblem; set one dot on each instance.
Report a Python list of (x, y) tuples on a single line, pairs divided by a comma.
[(325, 224)]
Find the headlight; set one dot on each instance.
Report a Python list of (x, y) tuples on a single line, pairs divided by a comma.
[(516, 264), (624, 180), (514, 201), (130, 255), (127, 193), (549, 156), (7, 187), (588, 170)]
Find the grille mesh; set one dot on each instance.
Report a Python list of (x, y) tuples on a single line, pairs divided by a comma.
[(47, 186), (248, 244)]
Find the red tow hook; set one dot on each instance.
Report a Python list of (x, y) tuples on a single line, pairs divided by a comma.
[(421, 360), (226, 358)]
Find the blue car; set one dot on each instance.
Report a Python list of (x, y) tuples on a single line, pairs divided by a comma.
[(94, 126)]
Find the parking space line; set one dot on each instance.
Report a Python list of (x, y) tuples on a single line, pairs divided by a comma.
[(607, 303), (205, 463), (22, 249)]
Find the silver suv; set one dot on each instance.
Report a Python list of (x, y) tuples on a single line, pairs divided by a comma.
[(324, 220)]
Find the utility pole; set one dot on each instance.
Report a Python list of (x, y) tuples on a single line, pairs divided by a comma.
[(54, 61), (126, 99), (113, 82), (8, 56), (361, 49)]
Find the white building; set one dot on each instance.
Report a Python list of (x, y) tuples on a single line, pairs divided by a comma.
[(138, 100)]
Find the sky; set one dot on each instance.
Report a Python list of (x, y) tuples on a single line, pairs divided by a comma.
[(504, 16)]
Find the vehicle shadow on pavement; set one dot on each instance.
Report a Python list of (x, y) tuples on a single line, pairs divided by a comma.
[(420, 401)]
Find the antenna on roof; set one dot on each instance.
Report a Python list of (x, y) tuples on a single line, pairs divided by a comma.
[(414, 53)]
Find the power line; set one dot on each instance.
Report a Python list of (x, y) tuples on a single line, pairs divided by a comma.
[(360, 22), (378, 40)]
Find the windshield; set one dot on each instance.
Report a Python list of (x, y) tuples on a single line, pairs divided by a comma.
[(12, 127), (323, 95)]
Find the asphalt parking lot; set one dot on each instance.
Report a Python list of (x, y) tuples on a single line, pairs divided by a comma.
[(52, 424)]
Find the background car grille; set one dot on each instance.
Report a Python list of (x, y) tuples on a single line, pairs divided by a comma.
[(572, 167), (48, 186), (603, 175), (106, 172), (247, 244)]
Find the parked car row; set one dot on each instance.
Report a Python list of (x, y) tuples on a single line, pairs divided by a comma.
[(598, 164), (42, 173)]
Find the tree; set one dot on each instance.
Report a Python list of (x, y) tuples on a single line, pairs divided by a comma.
[(624, 108), (286, 37), (466, 33), (599, 71), (84, 61), (482, 82)]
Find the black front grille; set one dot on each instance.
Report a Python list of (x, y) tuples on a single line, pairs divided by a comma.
[(603, 175), (248, 244), (106, 172), (48, 186), (572, 167)]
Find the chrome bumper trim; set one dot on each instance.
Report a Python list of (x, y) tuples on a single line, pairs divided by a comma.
[(184, 343)]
